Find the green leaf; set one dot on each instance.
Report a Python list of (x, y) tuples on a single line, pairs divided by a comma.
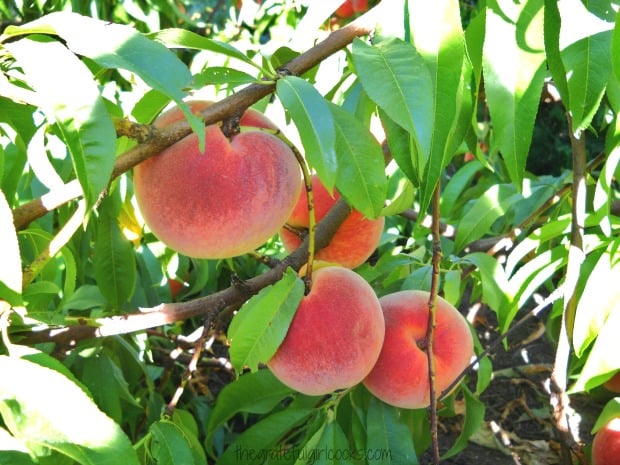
[(457, 184), (590, 318), (315, 123), (12, 450), (181, 38), (514, 72), (260, 326), (118, 46), (108, 386), (114, 260), (439, 39), (388, 436), (609, 412), (585, 43), (70, 98), (395, 76), (615, 49), (258, 444), (10, 265), (474, 416), (495, 286), (477, 221), (361, 167), (222, 75), (257, 392), (331, 447), (402, 147), (604, 191), (34, 408), (170, 444)]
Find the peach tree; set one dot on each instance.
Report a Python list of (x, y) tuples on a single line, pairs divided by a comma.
[(423, 117)]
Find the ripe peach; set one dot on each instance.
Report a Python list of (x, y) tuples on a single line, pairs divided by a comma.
[(335, 336), (613, 383), (606, 444), (350, 7), (353, 243), (224, 202), (400, 376)]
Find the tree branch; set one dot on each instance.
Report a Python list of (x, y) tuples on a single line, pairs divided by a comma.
[(160, 138), (208, 307)]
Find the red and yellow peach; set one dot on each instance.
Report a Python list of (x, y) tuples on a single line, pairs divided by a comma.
[(335, 336), (355, 240), (223, 202), (400, 376)]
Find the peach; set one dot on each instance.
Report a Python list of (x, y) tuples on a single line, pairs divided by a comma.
[(353, 243), (613, 383), (224, 202), (351, 7), (606, 444), (400, 376), (335, 336)]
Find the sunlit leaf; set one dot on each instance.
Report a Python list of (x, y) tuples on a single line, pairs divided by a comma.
[(45, 418), (438, 38), (596, 306), (514, 72), (70, 98), (113, 45), (395, 76)]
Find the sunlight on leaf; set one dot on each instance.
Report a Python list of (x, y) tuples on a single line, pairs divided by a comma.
[(61, 416)]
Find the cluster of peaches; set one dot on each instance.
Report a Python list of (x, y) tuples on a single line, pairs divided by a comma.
[(244, 189)]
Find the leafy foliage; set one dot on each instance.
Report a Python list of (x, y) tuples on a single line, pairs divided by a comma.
[(101, 363)]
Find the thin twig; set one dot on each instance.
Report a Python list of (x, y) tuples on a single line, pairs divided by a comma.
[(430, 329)]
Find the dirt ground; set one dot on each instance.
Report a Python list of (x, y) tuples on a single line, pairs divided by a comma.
[(518, 429)]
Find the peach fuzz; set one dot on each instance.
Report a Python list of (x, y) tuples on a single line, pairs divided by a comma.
[(224, 202), (613, 383), (400, 376), (606, 444), (355, 240), (335, 336)]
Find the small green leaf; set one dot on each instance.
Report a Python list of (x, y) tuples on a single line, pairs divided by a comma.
[(457, 184), (171, 445), (222, 75), (258, 444), (361, 167), (474, 416), (260, 326), (313, 119), (514, 73), (10, 265), (485, 210), (42, 418), (181, 38), (609, 412), (114, 260), (495, 286), (70, 98), (257, 392), (388, 435)]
